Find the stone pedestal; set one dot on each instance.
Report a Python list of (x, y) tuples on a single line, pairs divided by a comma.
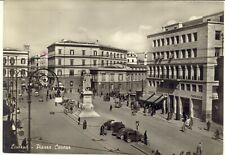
[(87, 109)]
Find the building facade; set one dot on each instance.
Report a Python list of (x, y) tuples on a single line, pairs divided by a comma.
[(69, 58), (183, 65), (15, 69), (118, 78)]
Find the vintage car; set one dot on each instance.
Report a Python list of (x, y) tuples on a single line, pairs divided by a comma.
[(121, 132), (108, 124), (133, 136), (116, 126)]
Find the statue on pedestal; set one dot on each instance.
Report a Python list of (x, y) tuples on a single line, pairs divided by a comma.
[(87, 106)]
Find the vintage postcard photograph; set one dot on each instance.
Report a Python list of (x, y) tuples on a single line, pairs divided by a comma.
[(113, 77)]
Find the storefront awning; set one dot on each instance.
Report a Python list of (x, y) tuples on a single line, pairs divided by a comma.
[(162, 97), (146, 97), (154, 98)]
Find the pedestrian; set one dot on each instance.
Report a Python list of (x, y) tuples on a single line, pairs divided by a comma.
[(78, 120), (208, 124), (183, 127), (191, 123), (102, 130), (110, 108), (127, 103), (24, 142), (199, 149), (78, 104), (217, 134), (50, 96), (137, 125), (145, 138), (85, 124)]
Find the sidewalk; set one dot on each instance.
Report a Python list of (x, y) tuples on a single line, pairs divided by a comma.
[(198, 126)]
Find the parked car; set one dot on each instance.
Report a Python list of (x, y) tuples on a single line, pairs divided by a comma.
[(118, 103), (116, 126), (121, 132), (108, 124), (133, 136)]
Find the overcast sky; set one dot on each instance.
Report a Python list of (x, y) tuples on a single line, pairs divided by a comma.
[(123, 24)]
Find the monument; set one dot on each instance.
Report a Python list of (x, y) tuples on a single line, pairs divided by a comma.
[(87, 108)]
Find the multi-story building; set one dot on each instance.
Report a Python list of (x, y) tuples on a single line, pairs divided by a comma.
[(131, 58), (69, 58), (183, 65), (118, 78), (15, 67)]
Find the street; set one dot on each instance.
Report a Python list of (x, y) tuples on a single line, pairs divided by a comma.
[(60, 133)]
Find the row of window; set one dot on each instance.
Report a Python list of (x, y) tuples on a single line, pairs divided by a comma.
[(190, 37), (13, 73), (95, 53), (135, 76), (184, 53), (177, 72), (83, 63), (13, 61), (182, 86)]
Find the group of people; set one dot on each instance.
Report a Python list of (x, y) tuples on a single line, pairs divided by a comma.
[(84, 123)]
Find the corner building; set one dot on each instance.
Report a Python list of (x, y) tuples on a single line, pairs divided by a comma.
[(182, 63), (69, 58)]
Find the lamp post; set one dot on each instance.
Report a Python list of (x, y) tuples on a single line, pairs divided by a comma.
[(29, 91)]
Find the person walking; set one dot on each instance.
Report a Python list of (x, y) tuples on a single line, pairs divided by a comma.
[(199, 149), (85, 124), (137, 125), (110, 108), (191, 123), (78, 120), (24, 142), (208, 125), (145, 138)]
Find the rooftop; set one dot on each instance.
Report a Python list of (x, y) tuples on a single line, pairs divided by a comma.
[(64, 42), (181, 25)]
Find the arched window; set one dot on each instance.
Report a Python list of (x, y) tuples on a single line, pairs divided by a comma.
[(23, 61), (12, 61), (4, 72), (4, 61), (23, 73), (12, 72)]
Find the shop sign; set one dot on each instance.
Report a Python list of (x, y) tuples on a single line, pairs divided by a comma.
[(196, 96)]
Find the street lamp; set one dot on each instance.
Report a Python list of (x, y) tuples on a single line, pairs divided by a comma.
[(29, 91)]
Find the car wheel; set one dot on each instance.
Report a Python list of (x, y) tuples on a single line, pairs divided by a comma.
[(128, 140), (122, 137)]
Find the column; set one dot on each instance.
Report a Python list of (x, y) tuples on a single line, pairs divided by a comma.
[(170, 71), (153, 72), (174, 104), (197, 72), (191, 108), (192, 72), (180, 106), (174, 72), (185, 72), (164, 71), (180, 72), (156, 71), (164, 107), (160, 72), (168, 103)]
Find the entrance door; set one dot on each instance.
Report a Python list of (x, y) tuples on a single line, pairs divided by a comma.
[(186, 106)]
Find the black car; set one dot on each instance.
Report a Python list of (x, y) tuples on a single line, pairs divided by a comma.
[(133, 136), (108, 124), (121, 132), (116, 126)]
